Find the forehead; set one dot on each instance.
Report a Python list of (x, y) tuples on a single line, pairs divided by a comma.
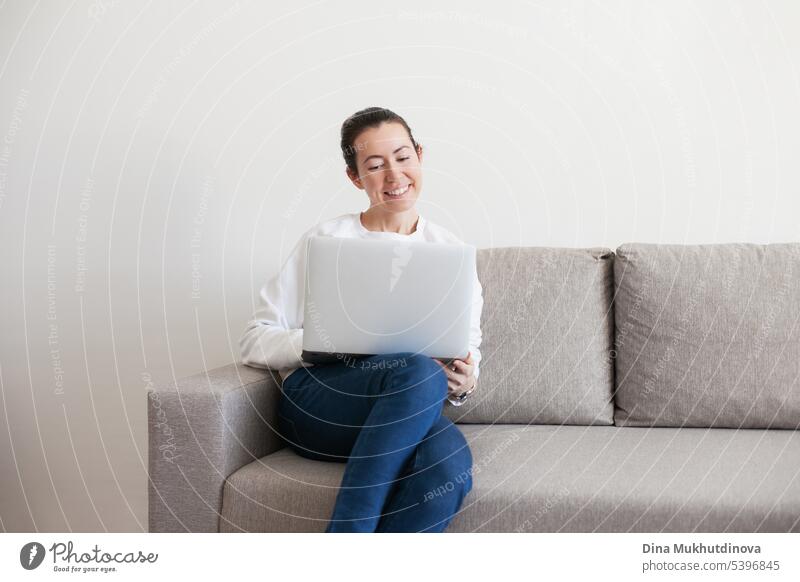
[(381, 140)]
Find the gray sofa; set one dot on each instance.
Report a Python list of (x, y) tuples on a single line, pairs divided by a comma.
[(655, 388)]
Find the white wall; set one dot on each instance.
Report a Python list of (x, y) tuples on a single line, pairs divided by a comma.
[(147, 147)]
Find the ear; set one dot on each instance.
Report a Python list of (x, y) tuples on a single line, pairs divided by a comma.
[(419, 152), (354, 178)]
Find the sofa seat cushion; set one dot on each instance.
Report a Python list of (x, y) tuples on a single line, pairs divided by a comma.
[(548, 478)]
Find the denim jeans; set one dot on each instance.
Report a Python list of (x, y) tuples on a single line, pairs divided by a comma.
[(408, 467)]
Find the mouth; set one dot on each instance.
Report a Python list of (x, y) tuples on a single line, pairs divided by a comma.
[(398, 192)]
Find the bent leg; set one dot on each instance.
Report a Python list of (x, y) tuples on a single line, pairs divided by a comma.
[(403, 413), (433, 487), (372, 412)]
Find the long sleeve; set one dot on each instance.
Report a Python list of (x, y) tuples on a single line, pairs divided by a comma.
[(273, 338), (475, 334)]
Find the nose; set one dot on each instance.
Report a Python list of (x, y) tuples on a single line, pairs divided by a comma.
[(392, 172)]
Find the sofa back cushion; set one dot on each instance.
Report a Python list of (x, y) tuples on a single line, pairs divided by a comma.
[(547, 334), (708, 335)]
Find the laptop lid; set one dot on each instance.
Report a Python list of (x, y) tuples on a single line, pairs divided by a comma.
[(365, 297)]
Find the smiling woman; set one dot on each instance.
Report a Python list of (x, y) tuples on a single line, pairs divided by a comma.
[(384, 159), (408, 466)]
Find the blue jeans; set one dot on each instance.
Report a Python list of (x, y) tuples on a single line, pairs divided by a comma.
[(408, 467)]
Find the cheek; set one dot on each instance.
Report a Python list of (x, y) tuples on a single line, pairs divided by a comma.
[(376, 185), (372, 182)]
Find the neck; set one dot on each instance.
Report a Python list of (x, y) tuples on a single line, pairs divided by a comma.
[(397, 222)]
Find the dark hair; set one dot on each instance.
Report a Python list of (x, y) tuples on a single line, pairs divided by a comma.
[(364, 119)]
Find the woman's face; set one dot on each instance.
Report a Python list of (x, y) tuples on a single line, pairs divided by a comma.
[(387, 162)]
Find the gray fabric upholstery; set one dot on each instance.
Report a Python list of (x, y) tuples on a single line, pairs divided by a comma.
[(547, 333), (708, 335), (202, 429), (551, 478)]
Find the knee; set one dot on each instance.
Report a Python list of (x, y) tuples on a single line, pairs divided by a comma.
[(424, 369), (419, 372), (446, 456)]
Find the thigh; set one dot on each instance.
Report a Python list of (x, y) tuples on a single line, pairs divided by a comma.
[(324, 407)]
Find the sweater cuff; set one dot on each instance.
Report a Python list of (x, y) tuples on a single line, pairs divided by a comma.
[(454, 401)]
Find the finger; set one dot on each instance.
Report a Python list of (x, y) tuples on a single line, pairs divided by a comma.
[(447, 367), (440, 363), (462, 367), (459, 380), (448, 371)]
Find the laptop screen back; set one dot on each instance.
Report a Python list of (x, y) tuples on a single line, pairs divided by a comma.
[(365, 297)]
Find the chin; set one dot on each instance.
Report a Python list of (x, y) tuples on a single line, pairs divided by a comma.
[(396, 205), (401, 207)]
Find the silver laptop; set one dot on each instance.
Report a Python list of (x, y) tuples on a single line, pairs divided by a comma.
[(365, 297)]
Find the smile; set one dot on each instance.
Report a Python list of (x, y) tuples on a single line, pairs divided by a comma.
[(398, 191)]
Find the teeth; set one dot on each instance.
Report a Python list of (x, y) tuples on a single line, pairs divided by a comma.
[(399, 191)]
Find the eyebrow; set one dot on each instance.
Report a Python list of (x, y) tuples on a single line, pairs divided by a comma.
[(377, 156)]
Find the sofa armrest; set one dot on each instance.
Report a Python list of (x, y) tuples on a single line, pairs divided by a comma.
[(201, 430)]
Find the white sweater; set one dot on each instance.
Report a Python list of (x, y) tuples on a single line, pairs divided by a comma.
[(273, 337)]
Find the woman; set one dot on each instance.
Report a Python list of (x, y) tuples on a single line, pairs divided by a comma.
[(408, 467)]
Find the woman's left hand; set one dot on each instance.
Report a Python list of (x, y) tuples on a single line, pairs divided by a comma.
[(460, 375)]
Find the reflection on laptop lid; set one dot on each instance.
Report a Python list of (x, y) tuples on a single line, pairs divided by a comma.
[(366, 297)]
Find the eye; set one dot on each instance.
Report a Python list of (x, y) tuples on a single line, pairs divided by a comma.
[(373, 168)]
